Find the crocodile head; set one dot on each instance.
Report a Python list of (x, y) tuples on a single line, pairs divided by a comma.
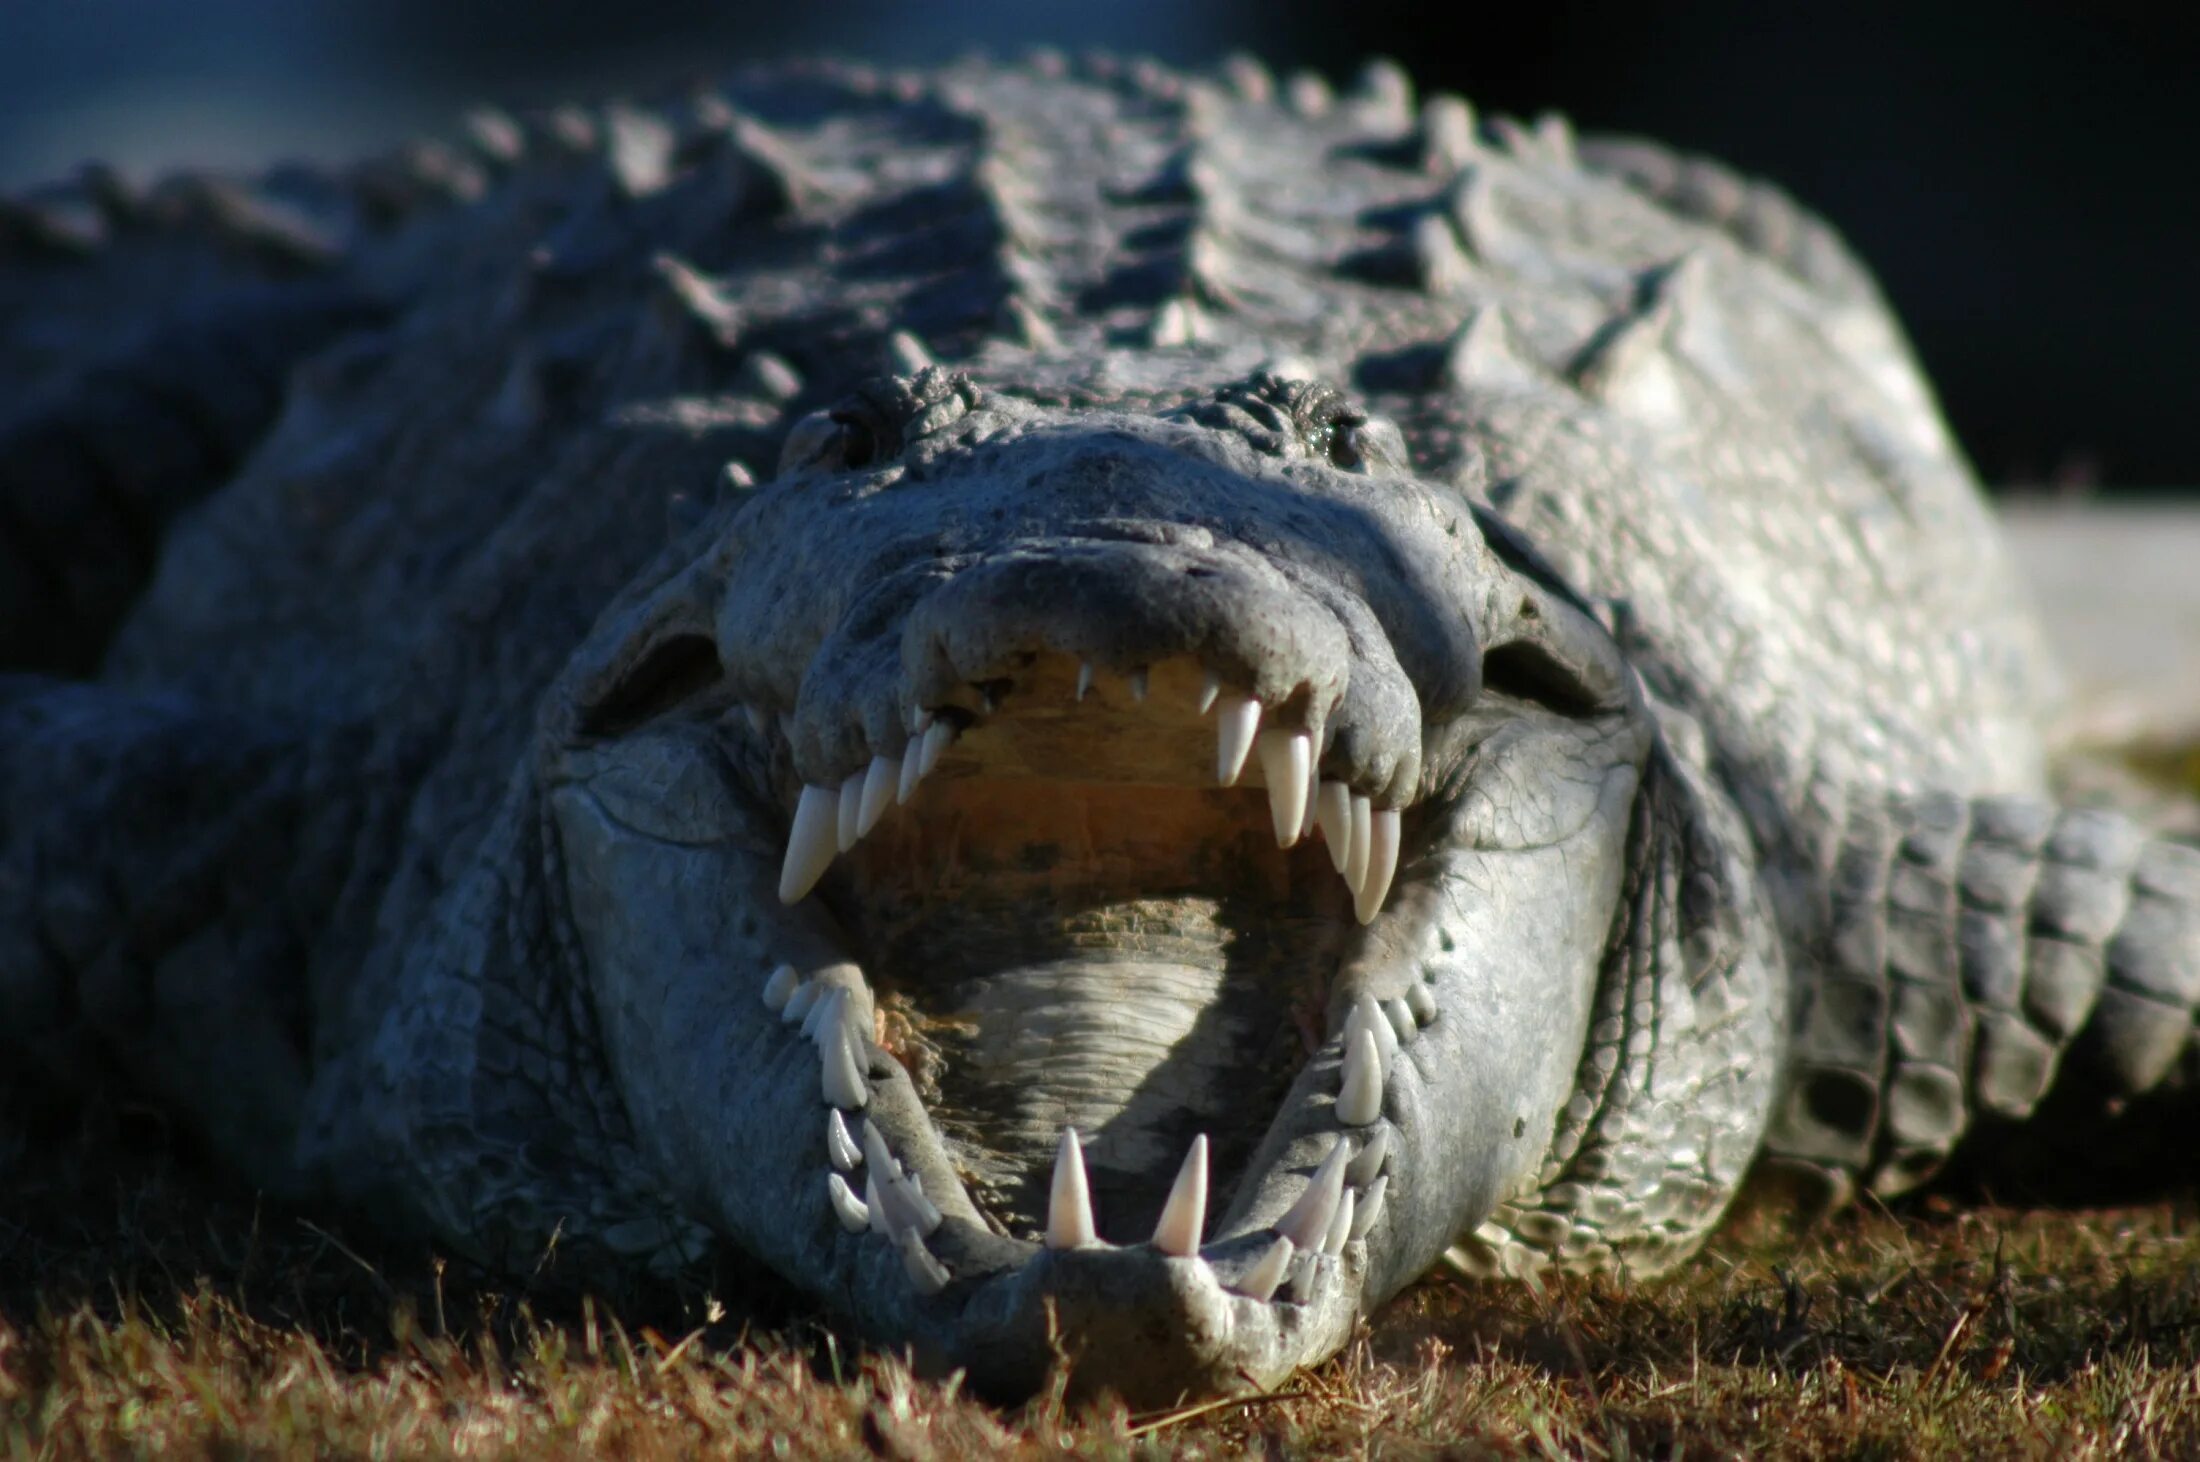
[(1122, 886)]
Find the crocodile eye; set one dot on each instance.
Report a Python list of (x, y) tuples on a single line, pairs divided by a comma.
[(816, 441), (1343, 441), (858, 442), (1364, 444)]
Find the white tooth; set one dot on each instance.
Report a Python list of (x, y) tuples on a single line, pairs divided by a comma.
[(1308, 1221), (907, 1210), (1235, 727), (1360, 1101), (1382, 865), (937, 736), (1370, 1209), (1340, 1227), (1355, 863), (926, 1274), (920, 720), (912, 771), (780, 988), (1333, 810), (878, 792), (1138, 685), (849, 812), (841, 1079), (824, 1014), (855, 1214), (876, 1155), (1368, 1161), (923, 1213), (1184, 1216), (1368, 1016), (1084, 678), (1260, 1282), (802, 1001), (1208, 690), (839, 1146), (1313, 785), (1421, 1000), (810, 846), (1284, 759), (1400, 1016), (758, 721), (875, 1207), (1069, 1206)]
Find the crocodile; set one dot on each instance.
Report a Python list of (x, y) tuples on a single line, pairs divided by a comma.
[(1093, 713)]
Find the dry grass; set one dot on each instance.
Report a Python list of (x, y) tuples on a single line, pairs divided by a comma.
[(145, 1309)]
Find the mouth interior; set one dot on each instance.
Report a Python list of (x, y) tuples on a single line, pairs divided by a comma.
[(1071, 924)]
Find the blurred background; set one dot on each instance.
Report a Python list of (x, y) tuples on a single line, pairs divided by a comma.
[(2023, 174)]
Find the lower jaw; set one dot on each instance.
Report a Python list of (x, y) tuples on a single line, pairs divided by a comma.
[(981, 1287)]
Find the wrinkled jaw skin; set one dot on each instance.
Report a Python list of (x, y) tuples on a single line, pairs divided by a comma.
[(1128, 888)]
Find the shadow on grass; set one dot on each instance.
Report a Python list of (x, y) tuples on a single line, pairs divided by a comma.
[(139, 1289)]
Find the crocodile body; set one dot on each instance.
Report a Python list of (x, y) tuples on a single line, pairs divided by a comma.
[(1439, 680)]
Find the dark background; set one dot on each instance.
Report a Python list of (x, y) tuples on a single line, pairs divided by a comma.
[(2022, 174)]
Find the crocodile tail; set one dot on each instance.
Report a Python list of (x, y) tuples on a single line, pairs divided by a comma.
[(1976, 958)]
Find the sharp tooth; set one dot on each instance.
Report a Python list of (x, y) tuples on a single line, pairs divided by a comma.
[(1421, 1000), (1400, 1016), (937, 736), (800, 1003), (824, 1013), (758, 721), (839, 1146), (1185, 1214), (907, 1210), (1360, 1100), (810, 846), (878, 792), (855, 1214), (1368, 1161), (1308, 1221), (1370, 1209), (876, 1155), (1382, 865), (1355, 864), (920, 720), (1368, 1016), (875, 1206), (1313, 785), (912, 771), (1340, 1227), (1069, 1206), (1333, 810), (780, 988), (849, 811), (1285, 757), (926, 1274), (841, 1078), (1208, 690), (1260, 1282), (1234, 730), (1138, 685), (923, 1213), (1084, 678)]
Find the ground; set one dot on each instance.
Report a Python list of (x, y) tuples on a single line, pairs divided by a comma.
[(146, 1307)]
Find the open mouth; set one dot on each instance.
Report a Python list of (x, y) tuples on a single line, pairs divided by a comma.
[(1099, 920)]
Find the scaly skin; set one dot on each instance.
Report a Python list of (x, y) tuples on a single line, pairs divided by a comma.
[(432, 832)]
